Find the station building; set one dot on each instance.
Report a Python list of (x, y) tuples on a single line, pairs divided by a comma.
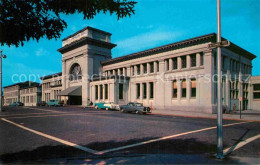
[(177, 76)]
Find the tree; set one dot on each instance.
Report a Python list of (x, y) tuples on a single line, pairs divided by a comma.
[(22, 20)]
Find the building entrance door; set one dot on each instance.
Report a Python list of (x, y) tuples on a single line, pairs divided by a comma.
[(75, 100)]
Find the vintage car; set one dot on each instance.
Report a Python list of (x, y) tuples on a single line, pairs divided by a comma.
[(137, 108), (105, 105), (41, 103), (17, 103), (54, 103)]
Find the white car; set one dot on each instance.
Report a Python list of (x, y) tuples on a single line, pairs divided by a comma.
[(110, 105)]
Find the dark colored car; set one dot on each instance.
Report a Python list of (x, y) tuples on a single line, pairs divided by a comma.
[(42, 103), (137, 108), (17, 103)]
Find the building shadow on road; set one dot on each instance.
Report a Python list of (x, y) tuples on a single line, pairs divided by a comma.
[(183, 149)]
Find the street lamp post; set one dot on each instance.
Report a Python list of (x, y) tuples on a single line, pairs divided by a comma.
[(1, 95), (220, 112)]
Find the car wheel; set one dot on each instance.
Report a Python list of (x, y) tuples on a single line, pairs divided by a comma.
[(136, 112), (107, 109), (122, 110), (96, 107)]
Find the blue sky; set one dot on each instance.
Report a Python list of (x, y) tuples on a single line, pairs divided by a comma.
[(155, 23)]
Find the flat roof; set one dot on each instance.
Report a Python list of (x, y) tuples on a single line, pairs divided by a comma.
[(25, 84), (212, 37), (88, 27), (51, 76)]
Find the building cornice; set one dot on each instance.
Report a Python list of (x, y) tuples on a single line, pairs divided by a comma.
[(178, 45), (83, 41)]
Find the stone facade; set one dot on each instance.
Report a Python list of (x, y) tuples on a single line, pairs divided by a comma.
[(30, 96), (13, 93), (51, 87)]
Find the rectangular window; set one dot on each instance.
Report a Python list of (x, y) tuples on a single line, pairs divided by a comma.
[(138, 91), (132, 70), (144, 91), (121, 71), (175, 63), (183, 62), (158, 67), (121, 91), (151, 67), (138, 69), (256, 91), (96, 92), (256, 87), (106, 91), (101, 91), (193, 87), (145, 68), (151, 90), (201, 59), (193, 60), (174, 89), (167, 65), (256, 95), (183, 86)]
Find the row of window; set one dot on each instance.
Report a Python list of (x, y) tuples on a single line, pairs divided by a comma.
[(172, 64), (144, 91), (29, 90), (46, 85), (101, 92), (47, 96), (28, 99), (183, 91), (256, 91)]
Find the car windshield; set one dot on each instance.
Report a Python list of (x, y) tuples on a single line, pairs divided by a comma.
[(138, 105)]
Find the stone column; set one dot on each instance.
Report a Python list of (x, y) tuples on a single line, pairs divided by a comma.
[(148, 68), (63, 75), (98, 93), (135, 70), (124, 71), (198, 60), (170, 64), (114, 72), (228, 90), (188, 89), (128, 71), (141, 69), (141, 92), (155, 67), (179, 62), (179, 90), (148, 91), (188, 62)]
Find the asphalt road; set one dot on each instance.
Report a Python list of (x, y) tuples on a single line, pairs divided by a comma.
[(77, 135)]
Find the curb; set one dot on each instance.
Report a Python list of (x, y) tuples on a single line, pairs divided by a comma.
[(204, 117)]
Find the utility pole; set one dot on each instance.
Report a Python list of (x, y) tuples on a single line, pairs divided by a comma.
[(1, 94), (220, 112)]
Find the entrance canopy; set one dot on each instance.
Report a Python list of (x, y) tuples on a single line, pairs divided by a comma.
[(72, 91)]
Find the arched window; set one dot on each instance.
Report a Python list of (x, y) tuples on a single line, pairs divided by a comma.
[(75, 72)]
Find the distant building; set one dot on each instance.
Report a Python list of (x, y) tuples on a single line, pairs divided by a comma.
[(51, 87), (13, 92), (31, 95)]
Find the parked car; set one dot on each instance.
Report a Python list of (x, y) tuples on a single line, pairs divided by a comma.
[(137, 108), (100, 105), (17, 103), (110, 106), (54, 103), (42, 103)]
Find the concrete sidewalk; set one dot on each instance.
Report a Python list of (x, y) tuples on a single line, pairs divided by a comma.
[(247, 115)]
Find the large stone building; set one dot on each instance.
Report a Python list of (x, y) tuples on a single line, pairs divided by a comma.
[(25, 92), (177, 76)]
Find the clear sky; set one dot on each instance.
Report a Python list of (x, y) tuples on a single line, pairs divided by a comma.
[(156, 22)]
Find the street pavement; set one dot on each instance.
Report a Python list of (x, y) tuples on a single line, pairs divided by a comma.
[(84, 135)]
